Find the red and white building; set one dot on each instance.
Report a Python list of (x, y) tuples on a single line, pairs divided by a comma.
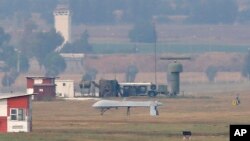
[(44, 87), (15, 112)]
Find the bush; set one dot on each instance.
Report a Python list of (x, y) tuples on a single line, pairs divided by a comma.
[(143, 32), (211, 73)]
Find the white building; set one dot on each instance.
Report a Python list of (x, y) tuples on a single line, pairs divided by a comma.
[(65, 88), (62, 16)]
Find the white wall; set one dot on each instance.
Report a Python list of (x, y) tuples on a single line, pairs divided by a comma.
[(65, 88), (18, 126), (3, 107), (30, 91), (63, 25), (38, 81)]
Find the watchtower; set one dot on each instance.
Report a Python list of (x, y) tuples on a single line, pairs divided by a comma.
[(62, 16)]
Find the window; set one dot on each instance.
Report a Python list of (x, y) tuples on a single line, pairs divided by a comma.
[(13, 114), (21, 114), (17, 114), (142, 89)]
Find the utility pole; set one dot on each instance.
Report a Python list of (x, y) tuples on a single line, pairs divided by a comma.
[(155, 52), (18, 60)]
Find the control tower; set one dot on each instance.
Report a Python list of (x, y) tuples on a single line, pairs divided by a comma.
[(62, 16)]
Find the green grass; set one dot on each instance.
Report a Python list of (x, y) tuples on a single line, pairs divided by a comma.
[(133, 132), (110, 48)]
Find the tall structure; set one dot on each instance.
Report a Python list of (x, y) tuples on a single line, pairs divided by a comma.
[(62, 16), (173, 74), (173, 77)]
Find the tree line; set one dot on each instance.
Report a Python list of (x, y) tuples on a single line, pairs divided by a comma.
[(129, 11), (40, 45)]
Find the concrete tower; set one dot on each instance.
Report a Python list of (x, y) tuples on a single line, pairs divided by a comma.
[(62, 17)]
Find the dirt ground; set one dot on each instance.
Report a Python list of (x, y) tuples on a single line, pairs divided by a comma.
[(206, 115)]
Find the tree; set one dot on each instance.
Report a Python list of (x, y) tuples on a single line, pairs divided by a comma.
[(12, 58), (246, 66), (92, 11), (9, 78), (54, 64), (211, 73), (4, 37), (10, 8), (244, 16), (28, 40), (14, 61), (143, 32), (23, 63), (45, 8), (90, 75), (23, 9), (131, 73), (139, 11), (79, 46), (100, 11), (45, 43), (85, 11)]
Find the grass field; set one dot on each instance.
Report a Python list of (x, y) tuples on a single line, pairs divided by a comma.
[(207, 115), (126, 48)]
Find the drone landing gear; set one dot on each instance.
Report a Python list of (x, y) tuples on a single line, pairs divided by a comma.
[(128, 111), (103, 110)]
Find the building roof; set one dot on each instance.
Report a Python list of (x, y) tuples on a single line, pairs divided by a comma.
[(35, 77), (45, 84), (11, 95), (135, 83), (62, 80), (72, 55)]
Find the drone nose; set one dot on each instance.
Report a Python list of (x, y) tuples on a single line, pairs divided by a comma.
[(159, 103), (96, 104)]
